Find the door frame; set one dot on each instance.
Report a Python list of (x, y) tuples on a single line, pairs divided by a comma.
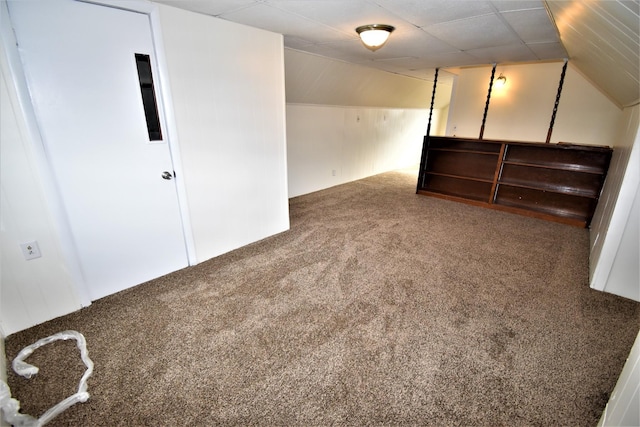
[(52, 194), (165, 101)]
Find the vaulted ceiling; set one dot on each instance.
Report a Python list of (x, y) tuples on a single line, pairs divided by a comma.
[(601, 38)]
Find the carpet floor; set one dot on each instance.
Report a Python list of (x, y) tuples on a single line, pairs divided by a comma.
[(377, 307)]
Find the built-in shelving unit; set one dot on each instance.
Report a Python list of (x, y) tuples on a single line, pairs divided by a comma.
[(558, 182)]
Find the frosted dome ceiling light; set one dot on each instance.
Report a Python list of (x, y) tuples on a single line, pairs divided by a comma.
[(374, 36)]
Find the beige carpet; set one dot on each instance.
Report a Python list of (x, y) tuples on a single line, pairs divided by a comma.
[(378, 307)]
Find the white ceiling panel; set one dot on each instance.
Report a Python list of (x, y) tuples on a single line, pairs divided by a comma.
[(423, 13), (461, 58), (499, 54), (267, 17), (425, 74), (600, 38), (548, 50), (339, 14), (533, 26), (481, 31), (408, 66), (603, 40), (509, 5), (213, 8), (349, 52), (296, 43)]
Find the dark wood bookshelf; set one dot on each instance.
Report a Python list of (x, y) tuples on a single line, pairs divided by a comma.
[(557, 182)]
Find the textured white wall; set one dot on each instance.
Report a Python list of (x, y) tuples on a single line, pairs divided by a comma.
[(313, 79), (230, 109), (227, 85), (37, 290), (522, 110), (624, 279), (623, 408), (614, 227), (346, 122), (329, 145)]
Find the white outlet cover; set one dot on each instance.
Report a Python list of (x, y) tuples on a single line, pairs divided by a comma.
[(30, 250)]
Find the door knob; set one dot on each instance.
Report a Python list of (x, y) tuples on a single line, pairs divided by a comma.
[(167, 175)]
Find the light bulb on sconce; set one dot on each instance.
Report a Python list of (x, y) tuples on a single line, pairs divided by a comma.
[(501, 81)]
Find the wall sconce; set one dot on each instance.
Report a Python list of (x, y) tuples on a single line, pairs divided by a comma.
[(374, 36), (501, 81)]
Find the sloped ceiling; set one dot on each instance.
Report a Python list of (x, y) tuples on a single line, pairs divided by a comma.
[(603, 41), (599, 37)]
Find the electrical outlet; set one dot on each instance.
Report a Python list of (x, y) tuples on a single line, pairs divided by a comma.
[(30, 250), (333, 172)]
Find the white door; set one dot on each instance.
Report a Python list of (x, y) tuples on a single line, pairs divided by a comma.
[(79, 61)]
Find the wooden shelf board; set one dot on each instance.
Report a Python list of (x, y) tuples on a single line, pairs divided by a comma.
[(467, 178), (456, 150), (571, 191), (572, 221), (562, 215), (464, 144), (478, 201), (568, 220), (556, 166)]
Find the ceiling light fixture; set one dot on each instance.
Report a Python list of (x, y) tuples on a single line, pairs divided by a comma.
[(374, 36), (501, 81)]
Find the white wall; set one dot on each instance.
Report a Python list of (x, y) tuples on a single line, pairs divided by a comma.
[(227, 84), (624, 279), (614, 229), (230, 120), (331, 145), (32, 291), (521, 111), (623, 408), (346, 122), (313, 79)]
